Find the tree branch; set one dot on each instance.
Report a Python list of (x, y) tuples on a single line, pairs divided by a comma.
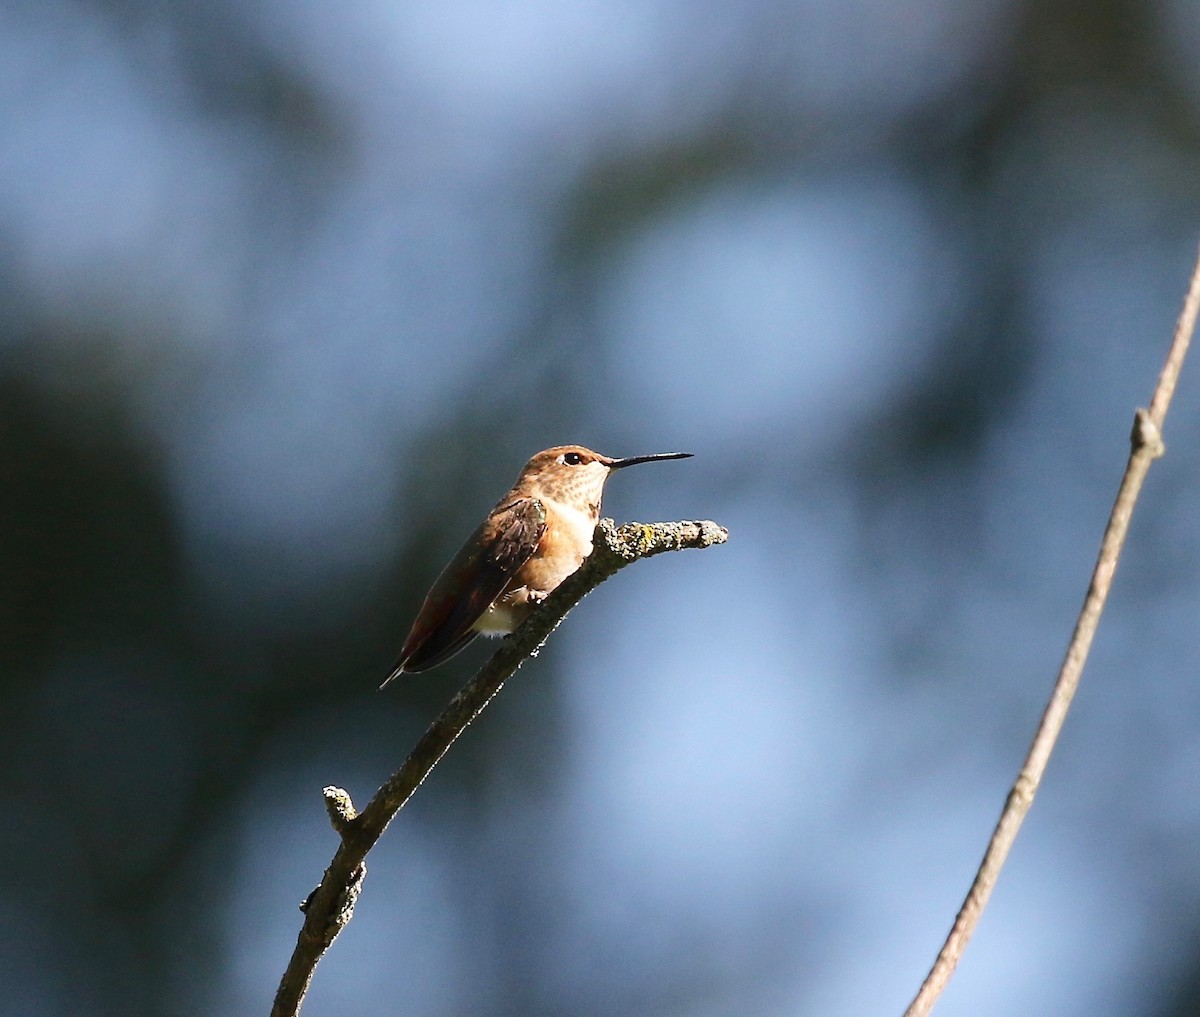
[(1147, 446), (331, 905)]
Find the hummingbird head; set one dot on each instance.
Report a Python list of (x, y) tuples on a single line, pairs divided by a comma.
[(572, 473)]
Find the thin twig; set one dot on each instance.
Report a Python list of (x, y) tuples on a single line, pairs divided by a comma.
[(330, 906), (1146, 446)]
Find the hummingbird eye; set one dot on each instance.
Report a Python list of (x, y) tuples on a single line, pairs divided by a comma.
[(572, 458)]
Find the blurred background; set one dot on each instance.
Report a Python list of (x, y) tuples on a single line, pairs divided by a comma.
[(292, 290)]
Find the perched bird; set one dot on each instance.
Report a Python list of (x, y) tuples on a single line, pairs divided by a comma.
[(536, 536)]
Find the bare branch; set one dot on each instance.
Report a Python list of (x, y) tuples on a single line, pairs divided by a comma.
[(331, 905), (1147, 446)]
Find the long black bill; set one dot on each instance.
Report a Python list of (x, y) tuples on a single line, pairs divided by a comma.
[(618, 464)]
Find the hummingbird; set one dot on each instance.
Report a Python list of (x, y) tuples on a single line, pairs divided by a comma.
[(537, 535)]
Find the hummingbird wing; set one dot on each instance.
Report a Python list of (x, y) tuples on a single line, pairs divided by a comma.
[(468, 586)]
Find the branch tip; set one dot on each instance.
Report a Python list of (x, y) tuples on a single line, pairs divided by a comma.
[(342, 812)]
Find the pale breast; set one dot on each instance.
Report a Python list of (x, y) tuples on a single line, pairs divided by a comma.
[(564, 545)]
